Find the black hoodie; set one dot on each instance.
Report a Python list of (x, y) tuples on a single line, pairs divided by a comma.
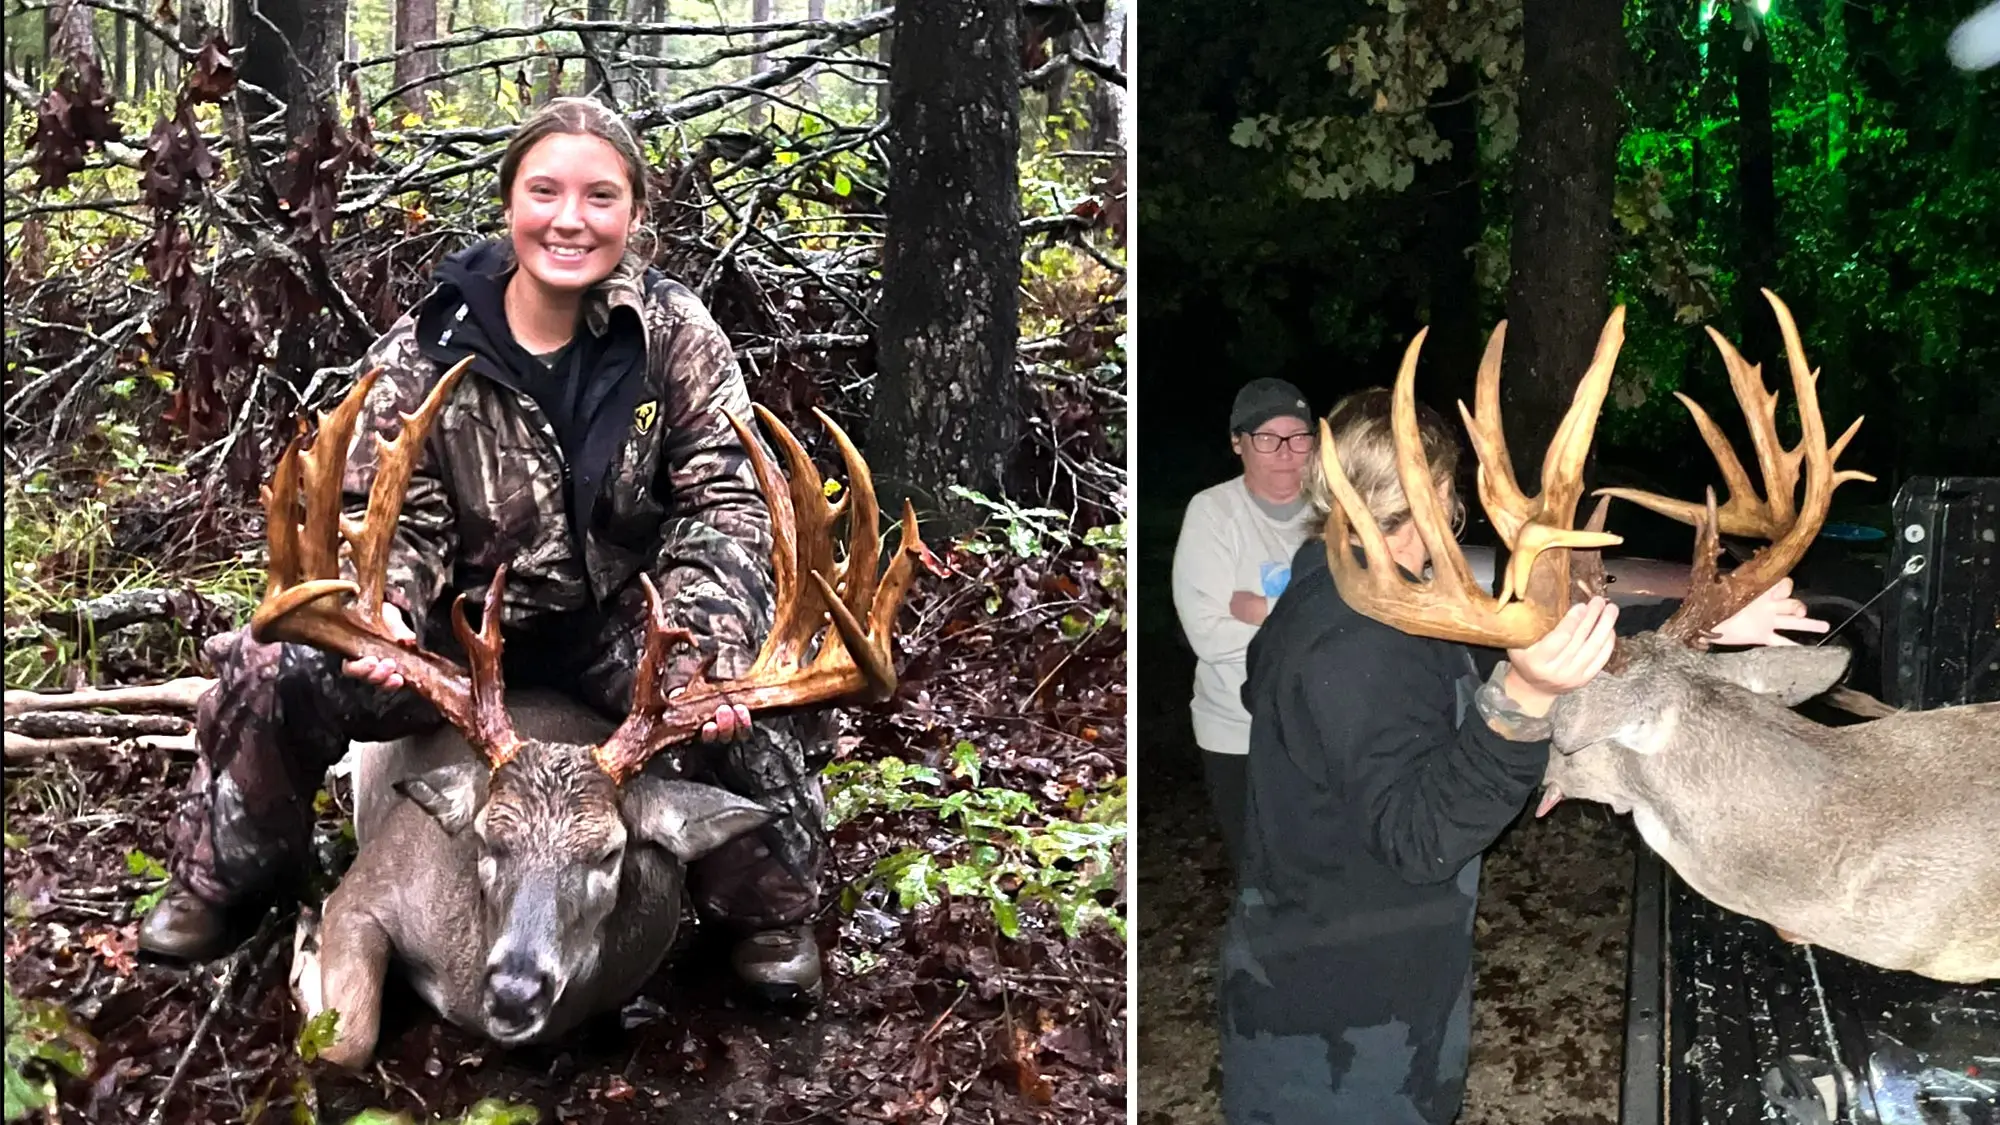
[(465, 315)]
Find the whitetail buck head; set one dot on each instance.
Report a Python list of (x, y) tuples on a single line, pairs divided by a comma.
[(567, 828), (1660, 690), (1873, 839), (1553, 563)]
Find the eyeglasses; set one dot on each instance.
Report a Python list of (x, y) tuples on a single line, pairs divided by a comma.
[(1266, 442)]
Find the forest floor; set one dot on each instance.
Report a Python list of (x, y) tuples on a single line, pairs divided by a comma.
[(932, 1012)]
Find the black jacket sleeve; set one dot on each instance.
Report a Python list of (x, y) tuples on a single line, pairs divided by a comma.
[(1429, 795)]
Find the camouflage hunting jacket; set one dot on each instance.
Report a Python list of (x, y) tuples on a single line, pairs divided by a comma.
[(655, 480)]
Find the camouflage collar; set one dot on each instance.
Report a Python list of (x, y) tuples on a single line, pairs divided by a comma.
[(625, 288)]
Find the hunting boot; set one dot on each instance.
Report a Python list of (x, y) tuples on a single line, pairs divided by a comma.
[(780, 966), (184, 927)]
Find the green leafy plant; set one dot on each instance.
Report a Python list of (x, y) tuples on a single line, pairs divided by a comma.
[(154, 872), (1008, 853), (41, 1039), (1027, 532), (488, 1111)]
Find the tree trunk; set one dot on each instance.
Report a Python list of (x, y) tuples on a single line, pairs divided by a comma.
[(1107, 101), (760, 12), (193, 24), (312, 32), (885, 53), (416, 22), (1453, 225), (947, 395), (142, 63), (1559, 291), (121, 31), (596, 79), (815, 10), (1757, 195), (648, 78)]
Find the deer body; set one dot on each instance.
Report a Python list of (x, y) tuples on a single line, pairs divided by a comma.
[(417, 896), (525, 867), (1876, 840)]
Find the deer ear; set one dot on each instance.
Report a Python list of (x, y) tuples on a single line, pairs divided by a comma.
[(449, 793), (688, 820), (1792, 673)]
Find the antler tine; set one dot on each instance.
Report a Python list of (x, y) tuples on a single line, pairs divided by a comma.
[(778, 498), (395, 462), (1451, 605), (798, 613), (1499, 493), (853, 657), (864, 549), (1745, 513), (1712, 598), (1420, 492), (304, 603), (1586, 567)]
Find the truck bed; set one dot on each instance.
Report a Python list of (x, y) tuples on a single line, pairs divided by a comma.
[(1727, 1025)]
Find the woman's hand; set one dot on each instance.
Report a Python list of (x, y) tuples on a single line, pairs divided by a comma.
[(1564, 659), (383, 673), (1249, 608), (731, 724), (1758, 623)]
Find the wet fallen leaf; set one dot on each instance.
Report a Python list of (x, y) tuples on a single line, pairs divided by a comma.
[(118, 948), (1028, 1078)]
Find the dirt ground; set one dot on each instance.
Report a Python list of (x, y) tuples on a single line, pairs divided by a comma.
[(1548, 1008), (931, 1014)]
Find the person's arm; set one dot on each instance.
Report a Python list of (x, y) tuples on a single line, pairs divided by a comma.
[(1204, 578), (1430, 796), (712, 566), (426, 541)]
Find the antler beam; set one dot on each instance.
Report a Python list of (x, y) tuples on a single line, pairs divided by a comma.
[(309, 603), (1712, 597), (1539, 531), (853, 655)]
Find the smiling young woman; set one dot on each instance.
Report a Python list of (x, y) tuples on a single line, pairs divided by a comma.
[(574, 201), (587, 448)]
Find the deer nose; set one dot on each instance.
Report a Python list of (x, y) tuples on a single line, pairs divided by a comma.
[(516, 995)]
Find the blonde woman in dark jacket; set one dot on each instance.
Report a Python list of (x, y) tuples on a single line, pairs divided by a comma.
[(1380, 769)]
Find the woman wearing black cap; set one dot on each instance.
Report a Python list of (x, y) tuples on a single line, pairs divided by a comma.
[(1233, 560)]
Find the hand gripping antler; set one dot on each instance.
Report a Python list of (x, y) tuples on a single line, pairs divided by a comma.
[(852, 659), (309, 603), (1535, 591), (1713, 598)]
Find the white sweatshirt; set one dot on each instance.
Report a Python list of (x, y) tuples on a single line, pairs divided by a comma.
[(1229, 542)]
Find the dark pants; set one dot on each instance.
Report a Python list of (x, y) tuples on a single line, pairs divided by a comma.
[(1359, 1018), (280, 715), (1228, 777)]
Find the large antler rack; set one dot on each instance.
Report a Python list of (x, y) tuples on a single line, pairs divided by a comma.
[(853, 654), (309, 603), (1539, 531), (1714, 597)]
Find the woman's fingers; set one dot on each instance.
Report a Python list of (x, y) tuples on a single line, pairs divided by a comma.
[(730, 724), (381, 673), (1576, 648), (1803, 624), (1603, 638)]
